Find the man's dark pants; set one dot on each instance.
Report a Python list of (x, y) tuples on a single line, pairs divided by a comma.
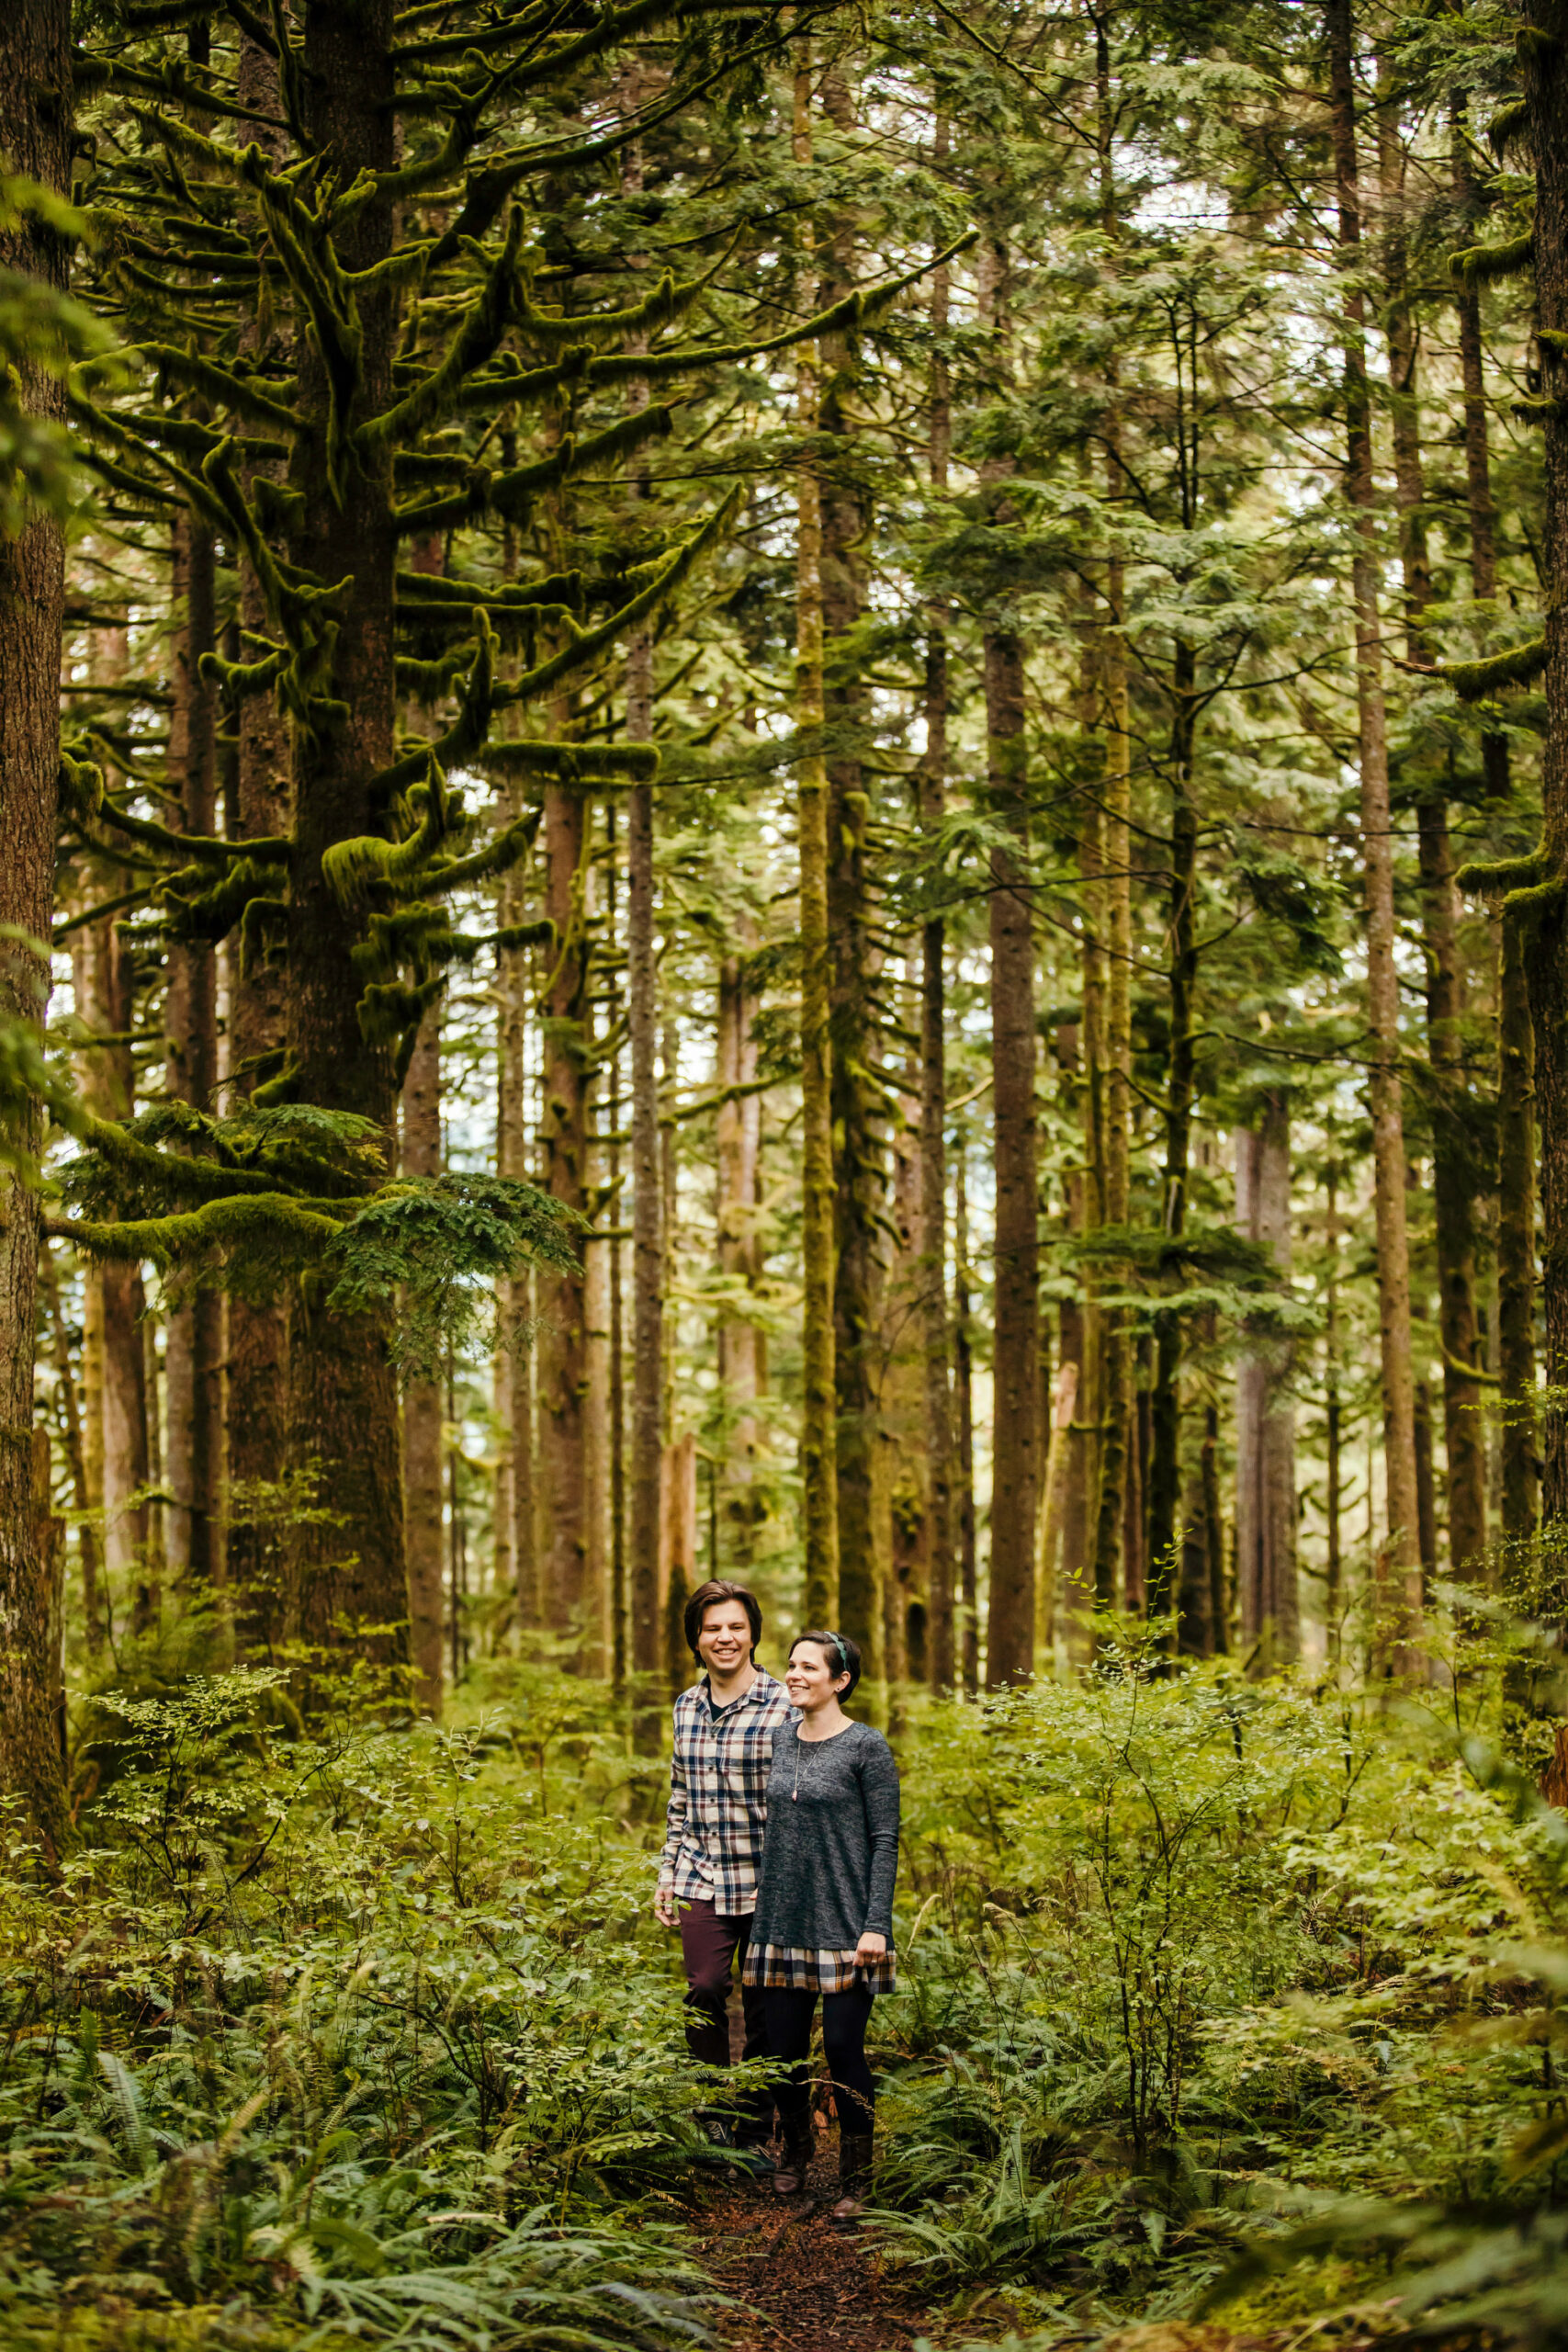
[(712, 1944)]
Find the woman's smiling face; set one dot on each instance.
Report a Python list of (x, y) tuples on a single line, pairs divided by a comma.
[(724, 1643), (811, 1678)]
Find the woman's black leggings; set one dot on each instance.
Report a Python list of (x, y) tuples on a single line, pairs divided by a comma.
[(845, 2017)]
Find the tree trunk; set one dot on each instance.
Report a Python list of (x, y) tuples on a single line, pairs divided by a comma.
[(1515, 1238), (105, 1003), (819, 1441), (563, 1138), (1117, 1409), (1483, 511), (1400, 1569), (35, 138), (351, 1576), (1266, 1439), (83, 1496), (423, 1408), (963, 1382), (859, 1124), (193, 1351), (1165, 1464), (739, 1137), (1009, 1633), (931, 792), (257, 1419), (1451, 1115), (647, 1238), (620, 1624)]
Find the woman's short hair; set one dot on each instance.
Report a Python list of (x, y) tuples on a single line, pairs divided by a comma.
[(842, 1654), (708, 1596)]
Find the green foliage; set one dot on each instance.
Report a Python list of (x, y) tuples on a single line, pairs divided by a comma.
[(43, 335), (1191, 1960), (345, 2037), (434, 1248)]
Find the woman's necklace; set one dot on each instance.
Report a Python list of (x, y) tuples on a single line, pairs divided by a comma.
[(799, 1744)]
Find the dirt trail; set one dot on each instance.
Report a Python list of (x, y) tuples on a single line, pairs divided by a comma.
[(807, 2284)]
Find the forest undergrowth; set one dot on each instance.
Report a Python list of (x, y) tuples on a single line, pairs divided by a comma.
[(1218, 1999)]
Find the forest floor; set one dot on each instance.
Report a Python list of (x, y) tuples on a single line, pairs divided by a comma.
[(791, 2277)]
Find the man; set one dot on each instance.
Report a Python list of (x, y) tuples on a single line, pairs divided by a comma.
[(725, 1728)]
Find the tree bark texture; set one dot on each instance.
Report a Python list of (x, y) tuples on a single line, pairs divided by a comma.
[(563, 1141), (931, 793), (1009, 1632), (192, 1348), (1266, 1430), (424, 1416), (1399, 1573), (1453, 1177), (257, 1546), (35, 138), (860, 1142), (351, 1576), (648, 1224), (818, 1436)]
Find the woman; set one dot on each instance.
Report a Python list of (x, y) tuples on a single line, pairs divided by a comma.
[(824, 1918)]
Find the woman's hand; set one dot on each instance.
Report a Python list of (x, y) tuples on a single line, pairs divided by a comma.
[(870, 1947), (664, 1907)]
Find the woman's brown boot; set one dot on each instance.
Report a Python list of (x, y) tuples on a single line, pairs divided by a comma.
[(854, 2175), (789, 2172)]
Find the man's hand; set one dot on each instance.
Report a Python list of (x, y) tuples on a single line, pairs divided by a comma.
[(870, 1947), (664, 1907)]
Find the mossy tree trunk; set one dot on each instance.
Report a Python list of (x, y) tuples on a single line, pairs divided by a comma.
[(563, 1139), (193, 1355), (931, 787), (1165, 1463), (35, 138), (646, 1643), (1399, 1567), (860, 1143), (1453, 1181), (1265, 1438), (818, 1437), (351, 1576), (425, 1410)]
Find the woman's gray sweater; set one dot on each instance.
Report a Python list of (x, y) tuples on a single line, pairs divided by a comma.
[(830, 1854)]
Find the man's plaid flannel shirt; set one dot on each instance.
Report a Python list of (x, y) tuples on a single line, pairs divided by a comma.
[(718, 1795)]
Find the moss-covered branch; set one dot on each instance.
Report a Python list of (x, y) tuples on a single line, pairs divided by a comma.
[(1474, 681)]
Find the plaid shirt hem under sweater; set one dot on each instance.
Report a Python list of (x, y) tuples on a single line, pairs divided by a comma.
[(718, 1795)]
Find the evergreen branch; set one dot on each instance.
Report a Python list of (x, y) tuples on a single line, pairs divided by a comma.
[(511, 494), (225, 386), (1485, 876), (175, 84), (237, 679), (260, 1219), (350, 867), (861, 309), (669, 300), (572, 763), (589, 644), (1473, 680), (558, 589), (1484, 265), (175, 1175), (473, 345), (468, 733), (266, 849), (496, 858)]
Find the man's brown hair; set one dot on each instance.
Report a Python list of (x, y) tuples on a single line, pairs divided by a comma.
[(707, 1596)]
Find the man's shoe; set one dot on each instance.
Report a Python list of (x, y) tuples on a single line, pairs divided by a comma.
[(854, 2176), (794, 2158)]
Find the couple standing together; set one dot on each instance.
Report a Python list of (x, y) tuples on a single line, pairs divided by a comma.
[(782, 1852)]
